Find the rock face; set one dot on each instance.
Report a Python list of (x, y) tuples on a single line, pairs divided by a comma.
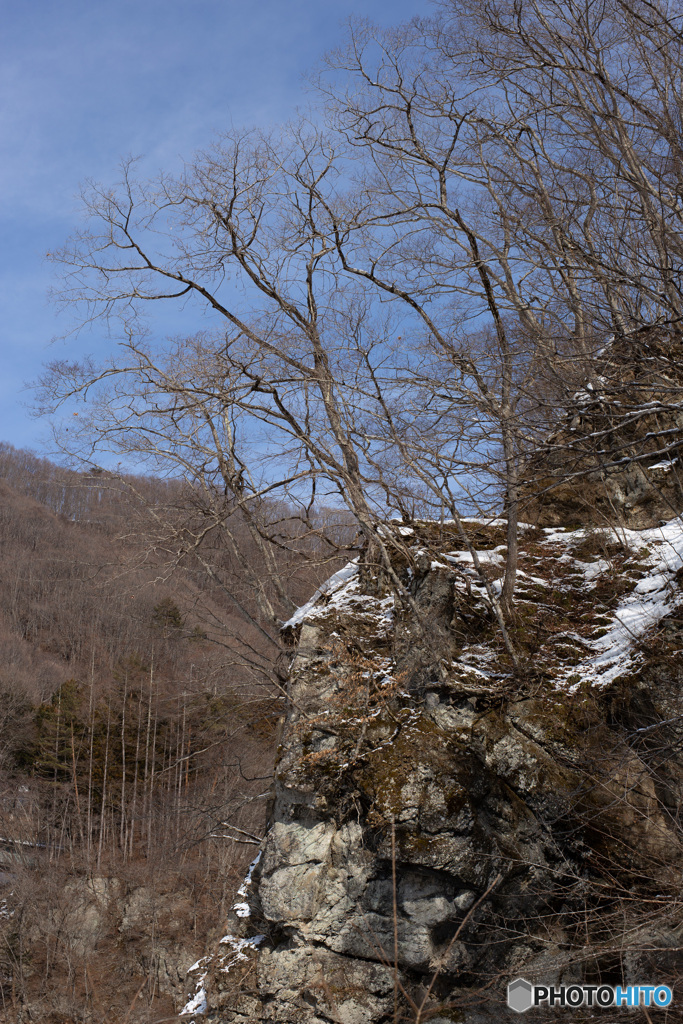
[(615, 458), (440, 827)]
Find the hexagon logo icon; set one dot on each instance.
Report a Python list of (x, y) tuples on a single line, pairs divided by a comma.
[(520, 995)]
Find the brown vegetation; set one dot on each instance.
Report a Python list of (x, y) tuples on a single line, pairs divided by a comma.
[(135, 750)]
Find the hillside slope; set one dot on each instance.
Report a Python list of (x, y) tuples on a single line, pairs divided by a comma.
[(131, 742)]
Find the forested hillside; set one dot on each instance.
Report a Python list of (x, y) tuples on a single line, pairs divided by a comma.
[(136, 746)]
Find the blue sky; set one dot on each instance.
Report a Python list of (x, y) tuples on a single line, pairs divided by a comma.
[(83, 84)]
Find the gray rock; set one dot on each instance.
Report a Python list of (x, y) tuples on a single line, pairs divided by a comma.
[(433, 850)]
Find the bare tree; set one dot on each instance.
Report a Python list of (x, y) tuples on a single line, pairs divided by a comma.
[(398, 303), (307, 398), (519, 162)]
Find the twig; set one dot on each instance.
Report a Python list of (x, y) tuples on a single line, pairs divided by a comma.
[(459, 929)]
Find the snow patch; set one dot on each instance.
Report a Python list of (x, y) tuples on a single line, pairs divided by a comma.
[(242, 908), (197, 1002), (199, 963), (342, 593), (335, 581), (237, 948), (493, 557), (649, 601), (591, 570)]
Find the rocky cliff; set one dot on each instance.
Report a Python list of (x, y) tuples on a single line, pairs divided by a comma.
[(615, 456), (440, 825)]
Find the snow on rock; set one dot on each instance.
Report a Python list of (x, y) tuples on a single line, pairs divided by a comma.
[(197, 1002), (342, 592), (223, 961), (239, 945), (333, 587), (242, 891), (485, 557), (242, 909), (199, 963), (659, 552), (612, 654), (594, 569), (237, 950)]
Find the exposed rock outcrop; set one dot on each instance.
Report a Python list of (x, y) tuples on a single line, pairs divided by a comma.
[(440, 827), (615, 457)]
